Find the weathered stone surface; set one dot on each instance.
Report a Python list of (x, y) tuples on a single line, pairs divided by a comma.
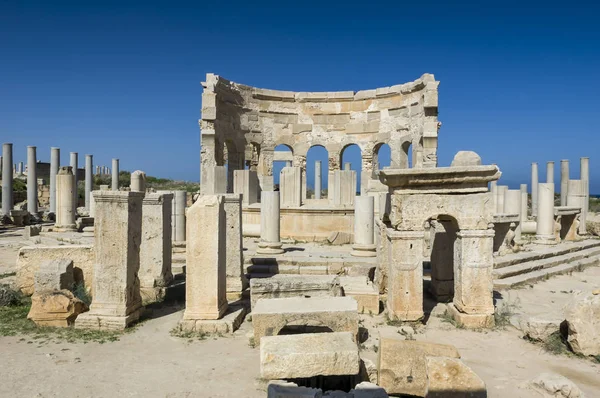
[(338, 314), (363, 291), (58, 308), (539, 329), (583, 320), (54, 275), (308, 355), (403, 365), (31, 230), (466, 158), (450, 377), (283, 286), (227, 324), (339, 238), (551, 385)]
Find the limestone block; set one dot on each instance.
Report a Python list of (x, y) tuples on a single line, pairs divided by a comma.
[(32, 230), (362, 290), (308, 355), (214, 180), (338, 314), (58, 308), (290, 186), (245, 182), (236, 279), (466, 158), (539, 329), (367, 390), (284, 286), (552, 385), (54, 275), (344, 187), (583, 320), (403, 364), (450, 377), (339, 238), (30, 258)]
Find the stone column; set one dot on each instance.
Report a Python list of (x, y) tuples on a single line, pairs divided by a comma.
[(318, 179), (545, 215), (534, 189), (20, 169), (290, 187), (65, 207), (156, 247), (364, 222), (234, 261), (180, 202), (347, 166), (32, 184), (524, 200), (117, 301), (494, 191), (89, 182), (344, 188), (405, 275), (7, 179), (564, 181), (138, 181), (270, 241), (500, 195), (74, 162), (550, 172), (585, 181), (115, 175), (206, 286), (54, 165), (512, 205)]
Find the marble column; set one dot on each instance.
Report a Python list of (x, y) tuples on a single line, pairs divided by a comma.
[(180, 202), (545, 214), (564, 181), (65, 207), (512, 205), (20, 169), (115, 175), (117, 300), (577, 198), (524, 200), (54, 165), (585, 181), (270, 241), (364, 224), (234, 261), (74, 161), (550, 172), (89, 181), (138, 181), (318, 179), (206, 279), (7, 179), (534, 189), (32, 185), (500, 196)]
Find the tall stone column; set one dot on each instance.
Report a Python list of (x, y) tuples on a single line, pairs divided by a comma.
[(364, 224), (65, 205), (550, 172), (585, 181), (138, 181), (117, 301), (234, 261), (270, 241), (7, 179), (534, 189), (405, 275), (512, 205), (206, 279), (318, 179), (524, 200), (180, 201), (32, 186), (74, 162), (115, 175), (20, 169), (89, 181), (564, 181), (54, 165), (545, 215)]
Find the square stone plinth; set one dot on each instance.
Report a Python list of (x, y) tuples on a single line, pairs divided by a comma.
[(228, 324), (96, 321), (308, 355), (363, 291), (471, 321), (282, 286)]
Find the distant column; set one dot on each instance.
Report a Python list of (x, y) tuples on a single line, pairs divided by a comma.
[(512, 205), (585, 180), (564, 181), (180, 201), (523, 203), (115, 175), (534, 189), (32, 189), (347, 166), (20, 169), (550, 172), (545, 215), (7, 179), (74, 157), (364, 224), (494, 191), (89, 181), (270, 241), (138, 181), (500, 196), (65, 207), (318, 179), (54, 165)]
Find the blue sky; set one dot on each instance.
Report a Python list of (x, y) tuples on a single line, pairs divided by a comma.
[(519, 80)]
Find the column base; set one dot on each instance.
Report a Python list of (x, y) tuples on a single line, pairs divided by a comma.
[(359, 250), (407, 316), (545, 240), (228, 324), (88, 231), (270, 248), (89, 320), (471, 321), (65, 228)]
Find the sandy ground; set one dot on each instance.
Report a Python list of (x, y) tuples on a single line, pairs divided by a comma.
[(149, 362)]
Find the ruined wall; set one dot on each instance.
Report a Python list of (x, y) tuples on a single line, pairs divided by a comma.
[(243, 125)]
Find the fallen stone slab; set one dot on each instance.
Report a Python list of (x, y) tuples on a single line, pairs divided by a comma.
[(282, 286), (539, 329), (583, 324), (450, 377), (555, 385), (308, 355), (363, 291)]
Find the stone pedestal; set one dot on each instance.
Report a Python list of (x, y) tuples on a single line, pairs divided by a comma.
[(206, 285), (344, 187), (564, 181), (115, 175), (290, 187), (54, 165), (245, 182), (7, 179), (66, 210), (545, 233), (214, 180), (138, 181), (156, 247), (318, 176), (32, 184), (364, 222), (117, 301), (89, 182), (270, 240), (234, 261)]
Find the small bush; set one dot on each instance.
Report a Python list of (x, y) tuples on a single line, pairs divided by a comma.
[(9, 297)]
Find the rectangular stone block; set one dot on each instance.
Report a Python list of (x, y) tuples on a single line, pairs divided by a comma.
[(290, 186), (245, 182), (308, 355), (54, 275), (344, 187), (214, 180), (284, 286), (363, 291), (236, 279)]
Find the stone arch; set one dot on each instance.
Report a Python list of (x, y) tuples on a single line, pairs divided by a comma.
[(440, 237), (382, 151), (406, 155), (347, 155)]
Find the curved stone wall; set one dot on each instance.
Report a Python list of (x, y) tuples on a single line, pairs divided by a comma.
[(243, 125)]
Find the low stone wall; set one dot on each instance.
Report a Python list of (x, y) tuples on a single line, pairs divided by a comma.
[(31, 257)]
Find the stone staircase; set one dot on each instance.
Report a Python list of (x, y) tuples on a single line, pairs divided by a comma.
[(178, 259), (543, 262)]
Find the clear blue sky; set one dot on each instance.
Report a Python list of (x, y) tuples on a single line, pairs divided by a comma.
[(519, 81)]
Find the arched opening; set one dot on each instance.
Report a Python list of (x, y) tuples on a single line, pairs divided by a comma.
[(382, 157), (351, 158), (282, 157), (406, 158), (317, 179), (442, 238)]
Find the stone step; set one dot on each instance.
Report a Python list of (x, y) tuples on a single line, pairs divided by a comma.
[(177, 250), (178, 259), (544, 252), (535, 265), (545, 273)]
